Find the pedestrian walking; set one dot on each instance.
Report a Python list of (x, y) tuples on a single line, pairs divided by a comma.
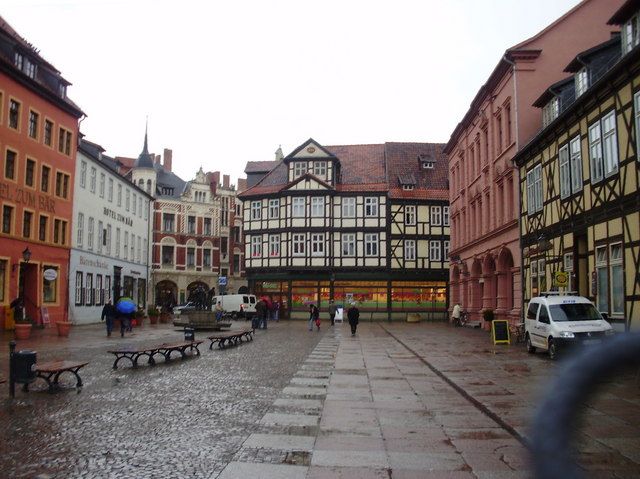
[(353, 313), (261, 312), (313, 315), (332, 312), (275, 307), (109, 313), (124, 323), (455, 315)]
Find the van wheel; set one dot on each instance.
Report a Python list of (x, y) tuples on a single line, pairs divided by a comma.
[(530, 347), (553, 349), (234, 315)]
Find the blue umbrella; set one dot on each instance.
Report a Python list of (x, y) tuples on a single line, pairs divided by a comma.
[(125, 305)]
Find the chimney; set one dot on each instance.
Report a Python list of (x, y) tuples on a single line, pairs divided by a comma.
[(216, 177), (168, 159), (156, 159), (225, 181)]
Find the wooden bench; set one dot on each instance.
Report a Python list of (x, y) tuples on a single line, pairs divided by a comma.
[(231, 337), (54, 369), (165, 349)]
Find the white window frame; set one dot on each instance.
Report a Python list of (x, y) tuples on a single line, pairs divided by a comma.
[(108, 240), (80, 229), (256, 246), (616, 278), (371, 206), (534, 190), (79, 288), (92, 180), (110, 191), (436, 216), (410, 250), (298, 244), (191, 256), (317, 206), (348, 244), (100, 237), (83, 174), (581, 80), (636, 105), (125, 245), (320, 168), (256, 210), (274, 245), (630, 34), (298, 207), (299, 168), (274, 209), (90, 230), (550, 111), (610, 143), (446, 247), (596, 159), (445, 216), (317, 244), (575, 160), (103, 179), (88, 289), (371, 244), (565, 172), (435, 250), (349, 207), (410, 215)]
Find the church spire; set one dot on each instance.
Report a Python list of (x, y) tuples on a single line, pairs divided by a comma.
[(144, 159)]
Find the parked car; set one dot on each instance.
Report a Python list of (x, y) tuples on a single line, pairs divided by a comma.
[(555, 321), (236, 305), (189, 306)]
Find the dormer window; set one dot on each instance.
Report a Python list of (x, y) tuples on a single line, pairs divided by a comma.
[(299, 168), (407, 187), (581, 81), (427, 162), (167, 190), (320, 169), (62, 90), (631, 34), (407, 181), (550, 111)]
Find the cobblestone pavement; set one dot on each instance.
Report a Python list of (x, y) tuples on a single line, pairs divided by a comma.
[(398, 400)]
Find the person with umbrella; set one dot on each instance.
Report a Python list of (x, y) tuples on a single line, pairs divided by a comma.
[(125, 307)]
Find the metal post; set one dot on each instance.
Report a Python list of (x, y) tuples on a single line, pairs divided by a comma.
[(12, 384)]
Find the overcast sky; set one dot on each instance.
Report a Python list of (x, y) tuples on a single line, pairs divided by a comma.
[(226, 82)]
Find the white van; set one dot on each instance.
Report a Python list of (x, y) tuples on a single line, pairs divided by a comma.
[(557, 320), (236, 305)]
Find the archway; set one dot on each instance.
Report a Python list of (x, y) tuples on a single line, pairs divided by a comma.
[(489, 286), (504, 275), (166, 294)]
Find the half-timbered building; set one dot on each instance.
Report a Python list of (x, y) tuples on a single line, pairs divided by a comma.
[(579, 180), (360, 223)]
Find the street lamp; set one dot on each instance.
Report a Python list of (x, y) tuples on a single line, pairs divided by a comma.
[(26, 256)]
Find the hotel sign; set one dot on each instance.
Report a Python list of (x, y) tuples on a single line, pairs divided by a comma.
[(118, 217), (27, 198)]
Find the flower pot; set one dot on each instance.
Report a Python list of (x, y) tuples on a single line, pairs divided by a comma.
[(63, 328), (164, 317), (153, 319), (23, 330)]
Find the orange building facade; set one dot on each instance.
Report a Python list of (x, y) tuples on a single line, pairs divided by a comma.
[(38, 141)]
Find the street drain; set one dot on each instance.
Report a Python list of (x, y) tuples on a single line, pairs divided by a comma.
[(299, 458)]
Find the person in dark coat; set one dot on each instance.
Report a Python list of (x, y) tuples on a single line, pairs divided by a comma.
[(314, 314), (353, 313), (109, 313)]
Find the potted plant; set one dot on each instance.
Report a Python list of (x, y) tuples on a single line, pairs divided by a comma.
[(139, 316), (164, 315), (23, 327), (488, 315), (153, 315), (63, 328)]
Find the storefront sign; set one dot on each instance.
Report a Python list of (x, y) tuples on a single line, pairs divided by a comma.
[(94, 263), (50, 274), (27, 198), (118, 217)]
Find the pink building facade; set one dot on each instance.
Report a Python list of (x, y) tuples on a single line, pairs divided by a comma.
[(485, 266)]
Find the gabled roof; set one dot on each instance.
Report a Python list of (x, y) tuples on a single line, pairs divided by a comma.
[(625, 12)]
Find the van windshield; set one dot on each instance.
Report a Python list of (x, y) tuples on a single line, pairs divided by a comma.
[(574, 312)]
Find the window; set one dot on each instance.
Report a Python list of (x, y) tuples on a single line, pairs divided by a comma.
[(7, 216), (167, 255), (168, 222), (99, 294), (581, 80), (50, 288), (107, 287), (445, 216), (62, 185), (371, 244), (42, 228), (446, 248), (29, 172), (64, 141), (435, 250), (90, 234), (14, 114), (317, 207), (274, 209), (117, 243), (44, 180), (610, 279), (127, 204), (565, 172), (274, 245), (320, 169), (3, 278), (256, 210), (83, 174), (125, 245), (108, 239), (10, 165), (410, 215), (371, 207), (110, 191), (576, 164), (102, 184), (631, 34), (206, 258), (298, 244), (100, 237), (33, 124), (317, 244), (567, 262), (410, 250), (534, 189), (119, 198), (256, 246), (348, 207), (550, 111), (206, 226), (60, 232), (298, 206), (538, 278), (27, 217), (88, 287), (48, 132), (436, 215), (603, 148), (191, 225), (348, 244), (79, 288), (191, 256), (299, 168)]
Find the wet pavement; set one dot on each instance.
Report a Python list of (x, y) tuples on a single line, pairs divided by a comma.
[(398, 400)]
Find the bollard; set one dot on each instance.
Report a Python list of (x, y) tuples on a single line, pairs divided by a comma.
[(189, 334)]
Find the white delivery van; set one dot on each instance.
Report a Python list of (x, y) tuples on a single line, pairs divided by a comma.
[(557, 320), (236, 305)]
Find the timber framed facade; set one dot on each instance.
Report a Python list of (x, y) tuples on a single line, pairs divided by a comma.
[(580, 178), (349, 224)]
